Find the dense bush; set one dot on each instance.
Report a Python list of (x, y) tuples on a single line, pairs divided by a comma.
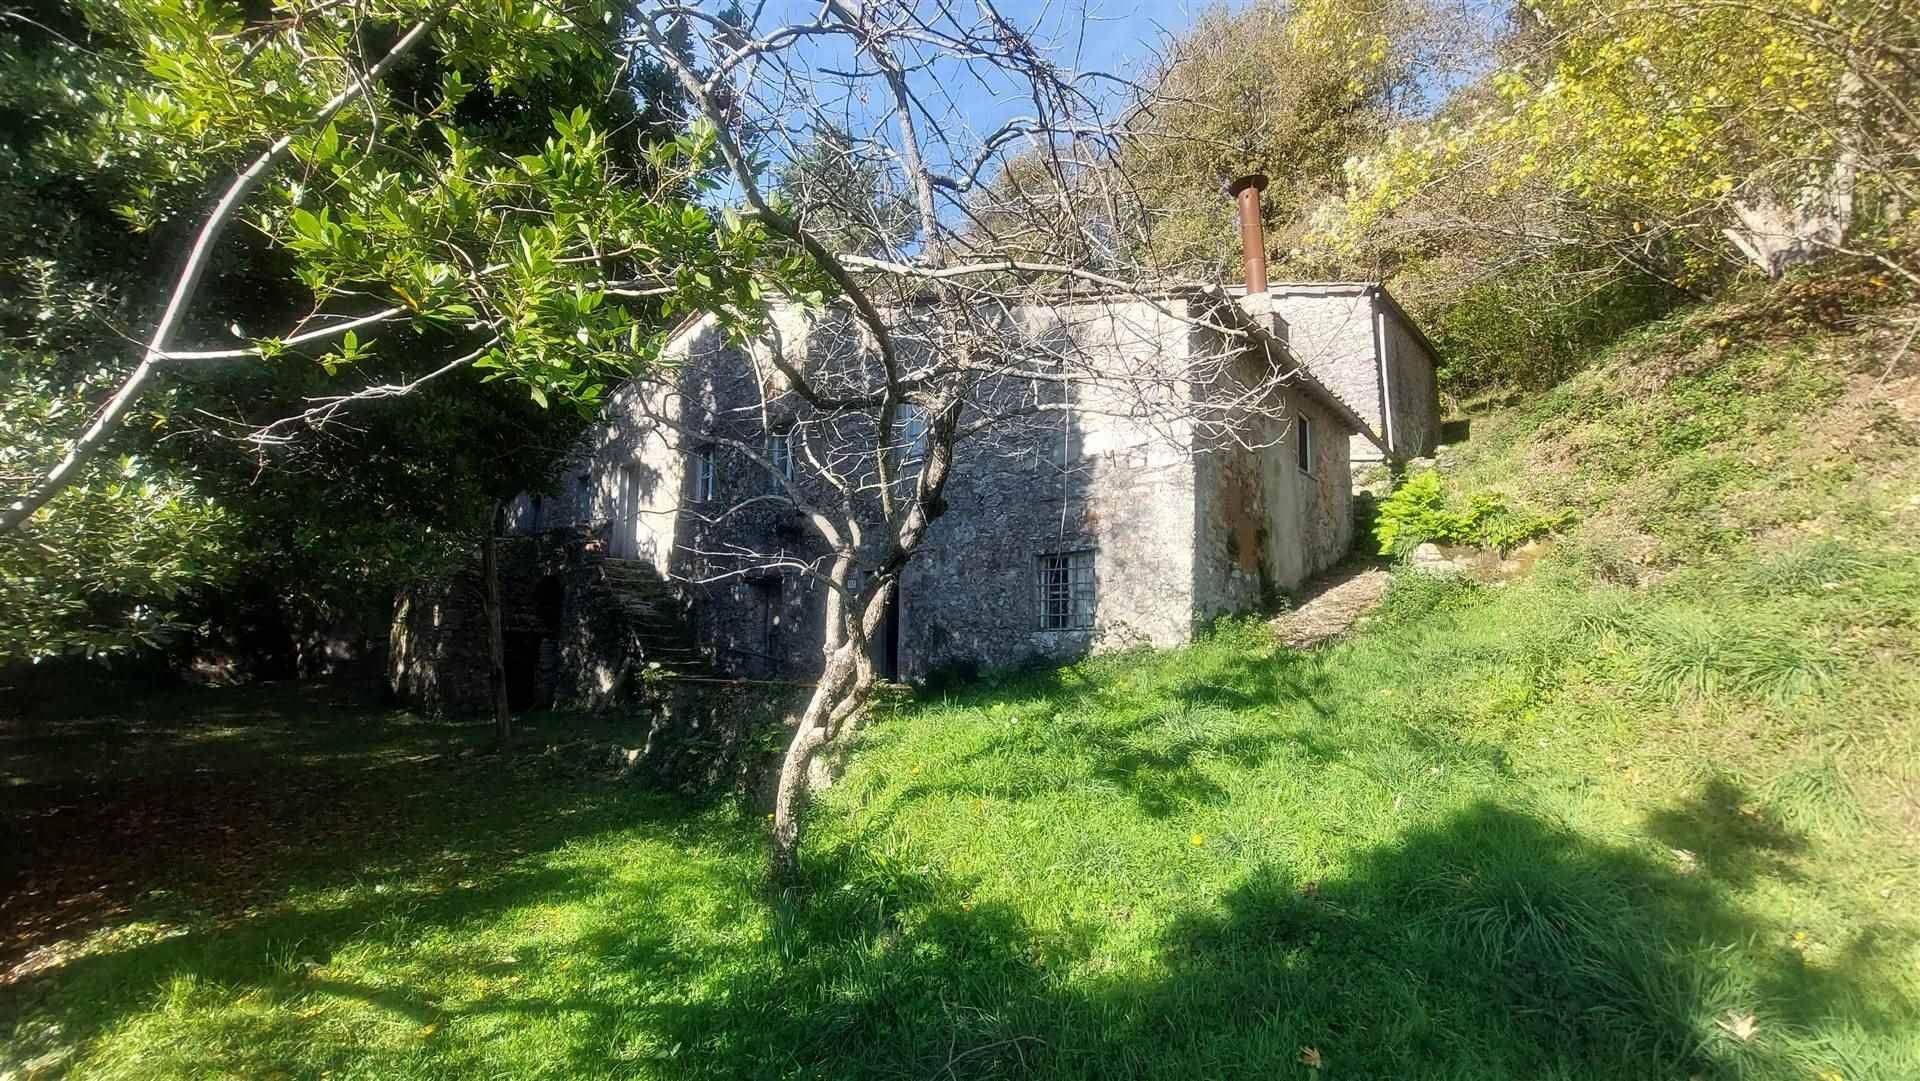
[(1532, 327), (1422, 510)]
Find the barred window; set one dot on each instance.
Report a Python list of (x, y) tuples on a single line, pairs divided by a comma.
[(704, 474), (1066, 591), (780, 453)]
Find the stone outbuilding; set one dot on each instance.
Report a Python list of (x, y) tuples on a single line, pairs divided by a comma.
[(1097, 533)]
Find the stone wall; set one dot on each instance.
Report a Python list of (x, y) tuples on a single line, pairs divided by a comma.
[(1413, 387), (569, 642), (1263, 525), (1118, 487), (437, 656)]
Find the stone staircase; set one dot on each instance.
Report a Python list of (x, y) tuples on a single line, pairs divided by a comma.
[(655, 619)]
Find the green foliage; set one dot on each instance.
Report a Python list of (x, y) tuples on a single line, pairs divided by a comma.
[(1421, 510), (121, 572), (1635, 134), (1534, 325), (516, 187), (462, 189)]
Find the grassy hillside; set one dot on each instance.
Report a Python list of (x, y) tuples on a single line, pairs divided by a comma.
[(1648, 812)]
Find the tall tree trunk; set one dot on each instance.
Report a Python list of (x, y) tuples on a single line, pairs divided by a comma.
[(496, 638)]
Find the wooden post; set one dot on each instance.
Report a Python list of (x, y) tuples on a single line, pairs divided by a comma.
[(496, 639)]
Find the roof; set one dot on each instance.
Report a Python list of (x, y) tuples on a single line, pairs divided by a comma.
[(1302, 375)]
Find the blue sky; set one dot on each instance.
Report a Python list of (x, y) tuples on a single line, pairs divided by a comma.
[(1117, 36)]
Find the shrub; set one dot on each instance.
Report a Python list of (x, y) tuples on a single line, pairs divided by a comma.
[(1421, 510)]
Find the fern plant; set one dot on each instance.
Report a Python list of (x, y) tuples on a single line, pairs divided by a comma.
[(1422, 510)]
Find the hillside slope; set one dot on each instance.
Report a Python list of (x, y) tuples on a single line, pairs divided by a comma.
[(1650, 812)]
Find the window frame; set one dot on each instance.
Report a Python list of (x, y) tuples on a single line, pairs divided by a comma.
[(1303, 448), (1066, 590)]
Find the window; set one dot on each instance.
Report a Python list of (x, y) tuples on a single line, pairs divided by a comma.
[(913, 432), (703, 474), (1066, 591), (1303, 443), (766, 599), (780, 453)]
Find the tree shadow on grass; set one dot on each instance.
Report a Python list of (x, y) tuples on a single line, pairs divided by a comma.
[(216, 801), (1490, 945), (221, 848), (1729, 835)]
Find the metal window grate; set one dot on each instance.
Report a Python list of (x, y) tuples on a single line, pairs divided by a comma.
[(703, 474), (1066, 584), (780, 453)]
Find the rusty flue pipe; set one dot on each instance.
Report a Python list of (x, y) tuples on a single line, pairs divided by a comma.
[(1253, 237)]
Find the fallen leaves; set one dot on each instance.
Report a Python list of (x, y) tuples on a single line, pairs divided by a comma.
[(1310, 1058), (1740, 1024)]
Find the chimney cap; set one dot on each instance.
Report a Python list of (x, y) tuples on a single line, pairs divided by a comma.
[(1256, 181)]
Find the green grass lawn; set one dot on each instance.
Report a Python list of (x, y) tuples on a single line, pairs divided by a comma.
[(1648, 812)]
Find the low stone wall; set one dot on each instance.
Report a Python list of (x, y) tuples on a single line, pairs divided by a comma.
[(713, 735), (437, 654)]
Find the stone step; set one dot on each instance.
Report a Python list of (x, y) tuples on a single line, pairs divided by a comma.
[(654, 614), (636, 579), (651, 617)]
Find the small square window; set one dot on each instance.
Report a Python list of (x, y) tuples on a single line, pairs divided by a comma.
[(1066, 585), (704, 474), (780, 453), (1303, 443)]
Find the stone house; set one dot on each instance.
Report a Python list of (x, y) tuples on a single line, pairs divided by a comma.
[(1100, 529)]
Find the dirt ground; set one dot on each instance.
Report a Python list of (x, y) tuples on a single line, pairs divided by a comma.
[(1330, 605)]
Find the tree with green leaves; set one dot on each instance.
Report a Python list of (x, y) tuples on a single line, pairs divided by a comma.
[(393, 209), (1682, 139), (371, 200)]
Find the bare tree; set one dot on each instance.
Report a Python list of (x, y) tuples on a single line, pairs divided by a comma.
[(1008, 314)]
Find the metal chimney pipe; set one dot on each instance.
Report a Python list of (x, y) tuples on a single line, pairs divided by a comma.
[(1253, 238)]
